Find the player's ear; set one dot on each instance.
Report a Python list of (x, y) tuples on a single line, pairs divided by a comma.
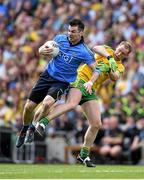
[(82, 33)]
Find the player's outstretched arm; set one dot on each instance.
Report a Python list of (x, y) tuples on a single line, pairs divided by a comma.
[(88, 85), (101, 50), (101, 67)]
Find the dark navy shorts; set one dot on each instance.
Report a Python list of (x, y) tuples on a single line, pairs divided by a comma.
[(47, 85)]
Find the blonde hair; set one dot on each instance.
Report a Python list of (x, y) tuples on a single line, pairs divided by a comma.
[(128, 45)]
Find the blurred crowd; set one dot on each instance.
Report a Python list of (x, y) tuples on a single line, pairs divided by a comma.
[(26, 24)]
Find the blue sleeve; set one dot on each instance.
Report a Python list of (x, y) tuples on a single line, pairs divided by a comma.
[(89, 59), (89, 55), (57, 38), (60, 37)]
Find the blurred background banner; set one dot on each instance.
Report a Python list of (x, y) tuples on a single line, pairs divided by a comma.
[(24, 26)]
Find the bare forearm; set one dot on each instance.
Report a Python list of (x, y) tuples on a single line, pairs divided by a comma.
[(116, 141), (95, 74), (113, 140), (94, 77), (101, 50)]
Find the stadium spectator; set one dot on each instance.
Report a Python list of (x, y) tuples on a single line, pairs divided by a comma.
[(111, 142)]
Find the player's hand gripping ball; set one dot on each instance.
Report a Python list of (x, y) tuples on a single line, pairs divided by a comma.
[(50, 48)]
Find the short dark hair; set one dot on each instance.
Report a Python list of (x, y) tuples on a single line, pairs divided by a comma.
[(77, 22)]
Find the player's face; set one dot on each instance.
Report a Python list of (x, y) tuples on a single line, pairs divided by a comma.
[(122, 51), (74, 34)]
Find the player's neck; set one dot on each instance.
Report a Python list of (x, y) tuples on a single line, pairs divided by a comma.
[(116, 58), (77, 41)]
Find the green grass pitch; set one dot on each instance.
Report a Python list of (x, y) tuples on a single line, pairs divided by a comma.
[(47, 171)]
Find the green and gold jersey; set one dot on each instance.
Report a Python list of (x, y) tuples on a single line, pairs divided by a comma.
[(85, 72)]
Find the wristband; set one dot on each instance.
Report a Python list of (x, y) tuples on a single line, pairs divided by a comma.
[(109, 57), (96, 70), (90, 82)]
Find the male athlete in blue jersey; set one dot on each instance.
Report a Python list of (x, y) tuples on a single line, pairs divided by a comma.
[(64, 66), (60, 71)]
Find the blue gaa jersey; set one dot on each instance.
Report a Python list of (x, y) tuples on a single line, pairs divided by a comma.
[(64, 66)]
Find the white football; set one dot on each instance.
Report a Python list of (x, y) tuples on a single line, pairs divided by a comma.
[(50, 44)]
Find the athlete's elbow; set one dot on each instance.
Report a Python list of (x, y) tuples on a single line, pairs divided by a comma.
[(95, 48)]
